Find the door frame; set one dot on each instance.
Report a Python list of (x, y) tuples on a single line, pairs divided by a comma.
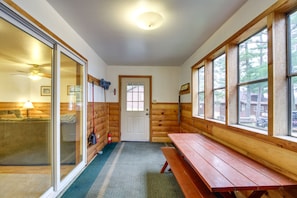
[(120, 102)]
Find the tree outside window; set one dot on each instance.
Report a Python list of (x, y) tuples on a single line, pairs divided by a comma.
[(292, 71), (201, 91), (252, 82), (219, 91)]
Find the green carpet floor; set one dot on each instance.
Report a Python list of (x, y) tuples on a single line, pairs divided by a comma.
[(126, 169), (83, 183)]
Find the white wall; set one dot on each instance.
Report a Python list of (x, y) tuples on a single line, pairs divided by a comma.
[(250, 10), (165, 81), (45, 14)]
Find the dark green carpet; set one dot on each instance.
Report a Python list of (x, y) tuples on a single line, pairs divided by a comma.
[(156, 189), (84, 182), (126, 170)]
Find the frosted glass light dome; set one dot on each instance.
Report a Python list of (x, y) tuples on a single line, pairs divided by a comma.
[(149, 20)]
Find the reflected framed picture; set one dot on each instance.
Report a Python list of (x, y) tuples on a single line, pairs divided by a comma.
[(70, 90), (45, 90), (73, 89)]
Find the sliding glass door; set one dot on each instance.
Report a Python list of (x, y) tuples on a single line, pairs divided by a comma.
[(42, 111), (26, 132), (71, 113)]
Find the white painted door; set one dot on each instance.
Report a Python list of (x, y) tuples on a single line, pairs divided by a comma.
[(135, 103)]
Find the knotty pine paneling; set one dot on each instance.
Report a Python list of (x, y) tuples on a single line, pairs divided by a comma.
[(40, 110), (100, 127), (164, 120), (187, 122), (114, 121)]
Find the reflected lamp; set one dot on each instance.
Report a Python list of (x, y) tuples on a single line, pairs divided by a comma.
[(28, 105)]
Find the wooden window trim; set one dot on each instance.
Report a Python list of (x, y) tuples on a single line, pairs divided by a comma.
[(274, 18)]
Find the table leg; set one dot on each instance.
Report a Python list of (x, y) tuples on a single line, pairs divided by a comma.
[(164, 167), (227, 194), (257, 194)]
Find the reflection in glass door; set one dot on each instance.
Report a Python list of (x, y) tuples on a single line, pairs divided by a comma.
[(25, 113), (42, 114), (71, 103)]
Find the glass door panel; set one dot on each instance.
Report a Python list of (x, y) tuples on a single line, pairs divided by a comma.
[(71, 114), (26, 133)]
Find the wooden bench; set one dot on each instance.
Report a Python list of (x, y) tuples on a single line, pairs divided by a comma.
[(188, 180)]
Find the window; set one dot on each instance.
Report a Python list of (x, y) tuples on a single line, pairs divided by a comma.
[(253, 81), (201, 91), (292, 72), (135, 97), (219, 91)]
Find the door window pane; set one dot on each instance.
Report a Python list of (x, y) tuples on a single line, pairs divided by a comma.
[(135, 97)]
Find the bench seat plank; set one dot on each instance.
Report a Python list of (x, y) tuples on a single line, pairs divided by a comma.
[(186, 177)]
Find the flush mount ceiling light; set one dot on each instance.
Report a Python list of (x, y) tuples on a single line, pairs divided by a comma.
[(149, 20)]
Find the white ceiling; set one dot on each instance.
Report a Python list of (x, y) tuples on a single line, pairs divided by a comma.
[(107, 26)]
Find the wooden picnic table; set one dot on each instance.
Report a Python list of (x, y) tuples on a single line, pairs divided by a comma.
[(224, 170)]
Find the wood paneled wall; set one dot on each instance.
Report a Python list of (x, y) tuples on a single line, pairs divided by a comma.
[(187, 122), (40, 110), (101, 127), (114, 121), (164, 120)]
